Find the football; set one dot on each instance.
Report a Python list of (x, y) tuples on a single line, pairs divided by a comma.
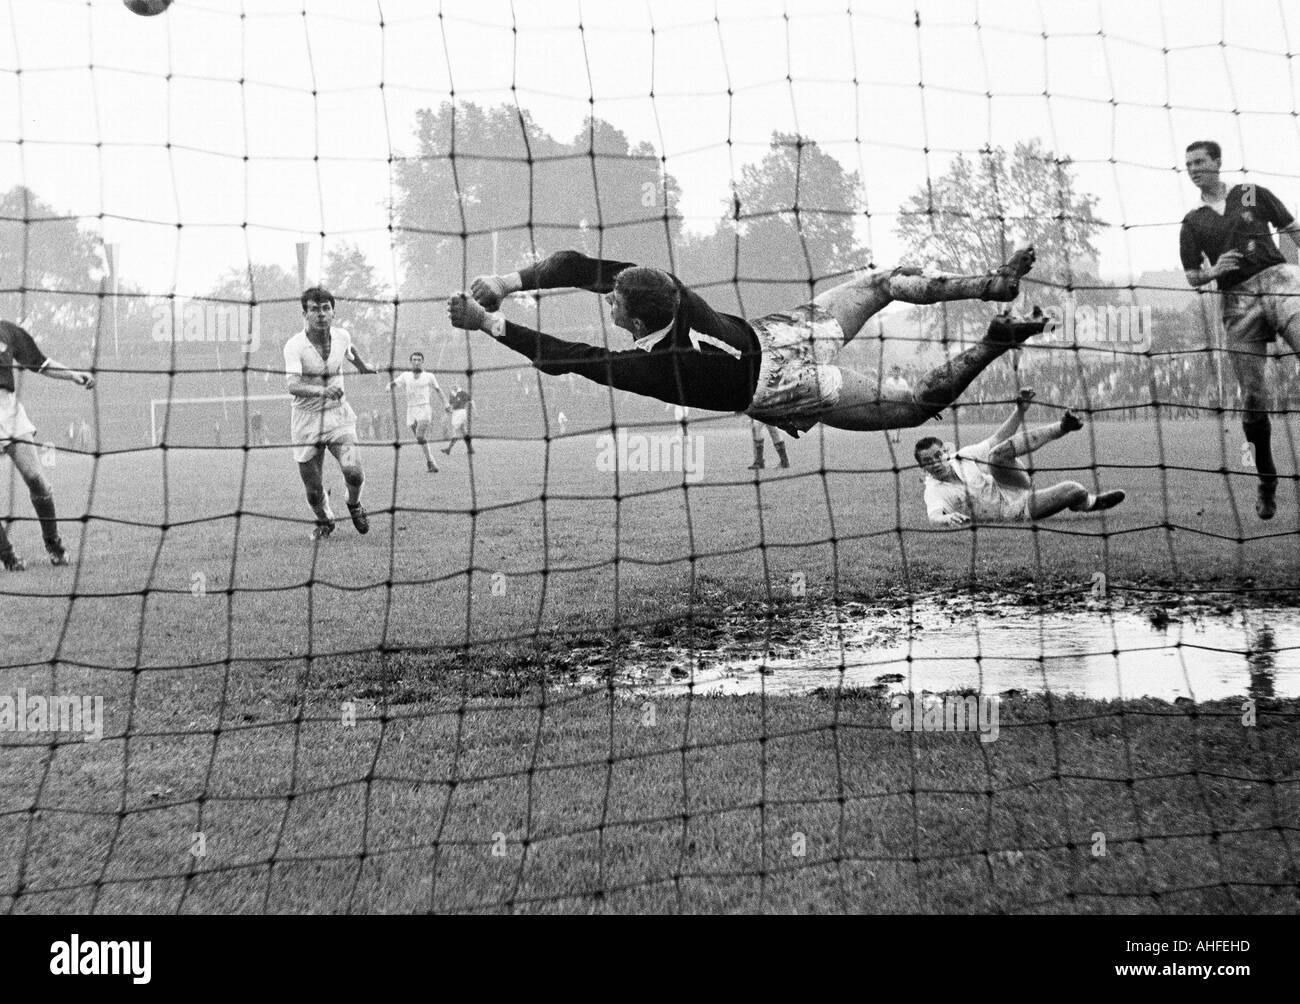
[(146, 8)]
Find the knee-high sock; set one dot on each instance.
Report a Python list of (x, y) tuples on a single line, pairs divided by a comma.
[(1259, 434), (43, 503), (936, 288), (944, 384), (354, 479)]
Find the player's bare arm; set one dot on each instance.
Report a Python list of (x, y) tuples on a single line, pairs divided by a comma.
[(304, 388), (356, 359), (57, 371)]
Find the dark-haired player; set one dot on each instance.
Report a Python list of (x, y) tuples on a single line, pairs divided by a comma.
[(777, 369), (458, 406), (1227, 238), (987, 481), (322, 418), (420, 386), (17, 348)]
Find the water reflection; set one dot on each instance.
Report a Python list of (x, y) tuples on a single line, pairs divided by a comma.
[(1261, 656), (940, 646)]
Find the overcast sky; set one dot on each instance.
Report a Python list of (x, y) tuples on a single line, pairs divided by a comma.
[(1119, 86)]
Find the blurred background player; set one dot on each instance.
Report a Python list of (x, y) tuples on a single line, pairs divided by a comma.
[(1227, 238), (896, 388), (562, 421), (459, 405), (987, 482), (322, 418), (17, 348), (257, 429), (756, 431), (420, 388)]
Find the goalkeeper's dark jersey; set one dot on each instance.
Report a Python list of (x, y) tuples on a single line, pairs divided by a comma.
[(704, 360), (459, 400), (17, 348)]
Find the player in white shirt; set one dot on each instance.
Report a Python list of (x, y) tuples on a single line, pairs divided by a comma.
[(420, 388), (896, 388), (986, 482), (322, 419)]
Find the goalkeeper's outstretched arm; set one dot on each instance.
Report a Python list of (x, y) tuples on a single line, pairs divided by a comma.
[(562, 270)]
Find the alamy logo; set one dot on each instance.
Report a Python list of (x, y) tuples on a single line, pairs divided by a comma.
[(1123, 325), (75, 957), (192, 321), (57, 713), (948, 713), (640, 452)]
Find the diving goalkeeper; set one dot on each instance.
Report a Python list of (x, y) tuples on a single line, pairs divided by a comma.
[(778, 369)]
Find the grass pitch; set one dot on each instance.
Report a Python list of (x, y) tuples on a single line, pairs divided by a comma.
[(229, 649)]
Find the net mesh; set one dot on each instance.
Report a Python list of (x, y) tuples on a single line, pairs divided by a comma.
[(596, 660)]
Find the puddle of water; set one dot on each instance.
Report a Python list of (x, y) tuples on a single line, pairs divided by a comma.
[(943, 647)]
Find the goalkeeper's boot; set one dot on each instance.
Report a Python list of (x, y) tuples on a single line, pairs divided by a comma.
[(55, 549), (780, 452), (323, 528), (1107, 500), (1070, 422), (1004, 284), (11, 561), (758, 463), (359, 518), (1266, 502), (1010, 330), (430, 467)]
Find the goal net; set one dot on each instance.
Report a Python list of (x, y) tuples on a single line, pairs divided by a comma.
[(594, 649)]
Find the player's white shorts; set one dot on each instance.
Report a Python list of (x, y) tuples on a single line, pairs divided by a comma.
[(15, 426), (314, 430), (797, 384), (421, 418), (1012, 506), (459, 421)]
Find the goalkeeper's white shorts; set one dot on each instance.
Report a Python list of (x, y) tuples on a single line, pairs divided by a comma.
[(15, 426), (315, 430), (459, 421)]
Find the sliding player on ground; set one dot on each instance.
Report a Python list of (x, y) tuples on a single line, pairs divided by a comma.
[(420, 388), (17, 348), (986, 482), (1226, 238), (322, 418), (777, 369)]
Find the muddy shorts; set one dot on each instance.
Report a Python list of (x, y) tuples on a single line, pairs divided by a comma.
[(797, 383), (1258, 309)]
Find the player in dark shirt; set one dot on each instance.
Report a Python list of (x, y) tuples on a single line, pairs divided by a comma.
[(777, 369), (17, 348), (1227, 239), (458, 407)]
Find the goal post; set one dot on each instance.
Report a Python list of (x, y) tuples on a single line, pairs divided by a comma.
[(206, 419)]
